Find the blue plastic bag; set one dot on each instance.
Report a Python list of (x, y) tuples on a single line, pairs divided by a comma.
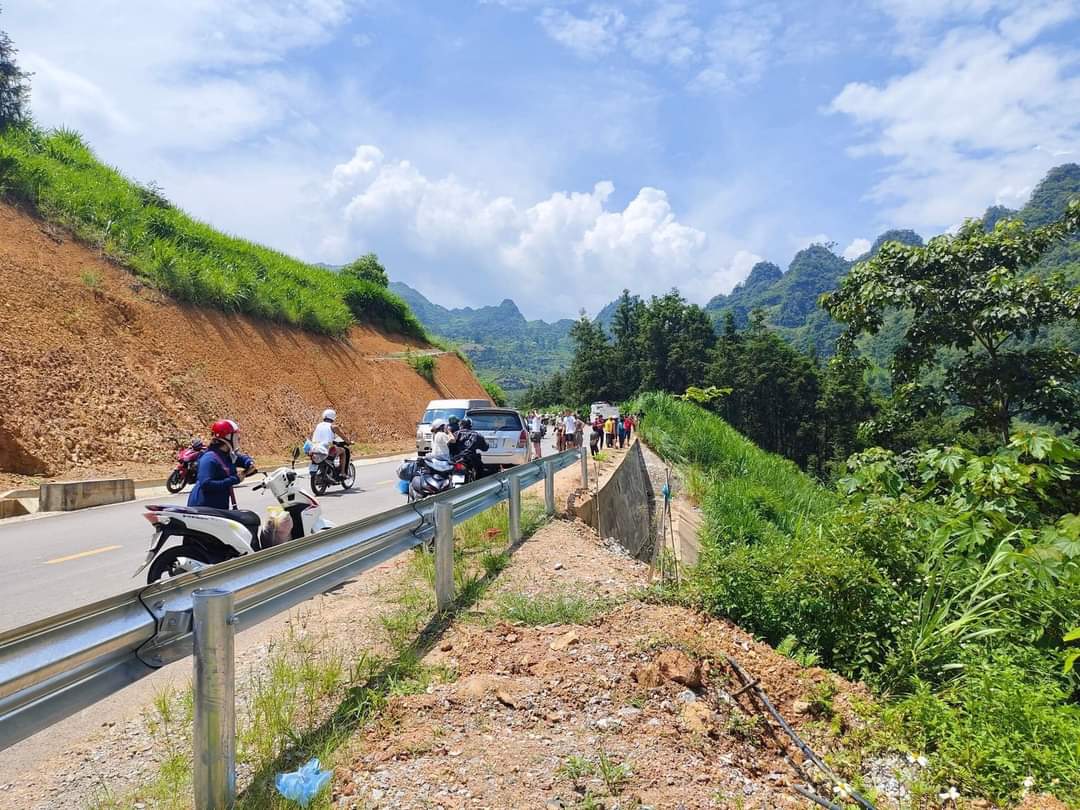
[(403, 487), (303, 785)]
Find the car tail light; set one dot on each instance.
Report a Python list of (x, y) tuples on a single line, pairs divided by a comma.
[(523, 438), (459, 467)]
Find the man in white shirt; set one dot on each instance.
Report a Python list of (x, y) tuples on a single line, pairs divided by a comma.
[(324, 434), (570, 429)]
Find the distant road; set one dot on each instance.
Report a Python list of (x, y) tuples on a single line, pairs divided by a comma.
[(59, 562)]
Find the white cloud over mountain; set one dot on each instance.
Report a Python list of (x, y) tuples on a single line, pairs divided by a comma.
[(572, 244)]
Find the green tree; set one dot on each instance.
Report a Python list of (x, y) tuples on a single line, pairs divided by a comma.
[(625, 333), (973, 304), (590, 376), (844, 402), (367, 268), (14, 86), (675, 342), (774, 389)]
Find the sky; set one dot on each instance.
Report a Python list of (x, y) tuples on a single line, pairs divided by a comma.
[(556, 152)]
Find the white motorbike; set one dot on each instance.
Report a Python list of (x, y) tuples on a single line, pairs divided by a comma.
[(208, 536)]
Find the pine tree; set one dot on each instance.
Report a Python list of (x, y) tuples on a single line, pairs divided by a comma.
[(14, 86)]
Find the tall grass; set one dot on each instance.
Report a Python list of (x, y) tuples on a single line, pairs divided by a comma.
[(58, 175), (963, 645)]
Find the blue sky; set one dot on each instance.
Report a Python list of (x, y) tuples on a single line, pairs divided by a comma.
[(555, 152)]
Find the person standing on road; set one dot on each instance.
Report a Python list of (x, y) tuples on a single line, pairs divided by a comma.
[(440, 439), (579, 431), (217, 473), (597, 436), (569, 428), (560, 437), (536, 433), (628, 423), (609, 432), (620, 431)]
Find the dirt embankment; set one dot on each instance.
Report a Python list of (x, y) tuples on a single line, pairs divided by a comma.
[(99, 372)]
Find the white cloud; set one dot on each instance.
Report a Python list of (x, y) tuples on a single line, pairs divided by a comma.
[(857, 248), (978, 118), (589, 37), (574, 246), (739, 46), (669, 34)]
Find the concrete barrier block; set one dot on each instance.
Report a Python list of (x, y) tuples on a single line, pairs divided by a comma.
[(65, 496), (12, 507)]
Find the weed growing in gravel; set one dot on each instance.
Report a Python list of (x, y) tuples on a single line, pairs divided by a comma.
[(540, 609), (614, 774), (90, 279)]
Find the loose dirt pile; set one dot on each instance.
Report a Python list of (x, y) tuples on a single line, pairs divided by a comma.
[(99, 372), (630, 708)]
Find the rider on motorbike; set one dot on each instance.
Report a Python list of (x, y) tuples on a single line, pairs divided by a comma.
[(325, 434), (218, 472), (468, 446)]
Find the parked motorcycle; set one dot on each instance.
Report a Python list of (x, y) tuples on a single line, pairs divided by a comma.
[(187, 467), (427, 475), (322, 470), (208, 536)]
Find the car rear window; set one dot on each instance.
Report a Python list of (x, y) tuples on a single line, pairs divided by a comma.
[(432, 414), (495, 421)]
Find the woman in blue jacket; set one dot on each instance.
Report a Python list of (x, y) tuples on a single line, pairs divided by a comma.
[(217, 472)]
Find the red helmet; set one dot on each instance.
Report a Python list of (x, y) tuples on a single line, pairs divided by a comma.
[(224, 429)]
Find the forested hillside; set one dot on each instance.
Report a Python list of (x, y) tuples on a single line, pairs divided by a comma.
[(501, 343)]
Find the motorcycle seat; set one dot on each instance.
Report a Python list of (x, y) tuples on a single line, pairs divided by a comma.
[(245, 517)]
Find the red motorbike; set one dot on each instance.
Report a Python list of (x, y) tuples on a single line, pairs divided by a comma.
[(187, 467)]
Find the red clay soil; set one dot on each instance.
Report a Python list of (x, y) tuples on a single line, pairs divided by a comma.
[(99, 371)]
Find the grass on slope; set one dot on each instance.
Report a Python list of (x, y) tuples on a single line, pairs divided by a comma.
[(882, 588), (57, 174)]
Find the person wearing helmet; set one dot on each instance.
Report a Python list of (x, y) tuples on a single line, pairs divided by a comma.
[(217, 471), (453, 423), (468, 445), (441, 439), (325, 433)]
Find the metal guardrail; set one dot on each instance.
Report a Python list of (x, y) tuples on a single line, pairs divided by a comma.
[(57, 666)]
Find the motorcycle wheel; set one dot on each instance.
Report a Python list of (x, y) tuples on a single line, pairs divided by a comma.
[(318, 482), (166, 565), (350, 476), (175, 482)]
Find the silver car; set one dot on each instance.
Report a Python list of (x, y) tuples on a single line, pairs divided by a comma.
[(506, 435)]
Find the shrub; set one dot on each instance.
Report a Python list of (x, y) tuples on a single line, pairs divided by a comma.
[(422, 364)]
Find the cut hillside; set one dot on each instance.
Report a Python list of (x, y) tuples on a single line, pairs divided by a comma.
[(101, 371)]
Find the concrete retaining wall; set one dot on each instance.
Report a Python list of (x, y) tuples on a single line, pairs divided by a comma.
[(64, 496), (622, 508)]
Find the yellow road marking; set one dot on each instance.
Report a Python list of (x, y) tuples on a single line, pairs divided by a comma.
[(388, 481), (82, 554)]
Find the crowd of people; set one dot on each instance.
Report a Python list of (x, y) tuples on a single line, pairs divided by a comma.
[(612, 431)]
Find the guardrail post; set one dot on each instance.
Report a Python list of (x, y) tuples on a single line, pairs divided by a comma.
[(584, 468), (444, 555), (549, 488), (515, 510), (214, 743)]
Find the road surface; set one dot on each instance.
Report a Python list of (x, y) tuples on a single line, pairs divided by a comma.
[(62, 561)]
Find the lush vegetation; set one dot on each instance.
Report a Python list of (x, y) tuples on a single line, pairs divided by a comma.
[(56, 174), (970, 296), (784, 400), (945, 578), (505, 347)]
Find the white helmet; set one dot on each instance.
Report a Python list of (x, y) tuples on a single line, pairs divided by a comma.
[(438, 424), (329, 415)]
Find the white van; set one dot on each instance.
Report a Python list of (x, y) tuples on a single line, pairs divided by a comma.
[(443, 409), (603, 410)]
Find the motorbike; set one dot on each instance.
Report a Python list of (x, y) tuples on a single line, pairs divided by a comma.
[(208, 536), (322, 470), (427, 475), (187, 467)]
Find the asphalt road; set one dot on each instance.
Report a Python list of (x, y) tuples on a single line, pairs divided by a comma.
[(62, 561)]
